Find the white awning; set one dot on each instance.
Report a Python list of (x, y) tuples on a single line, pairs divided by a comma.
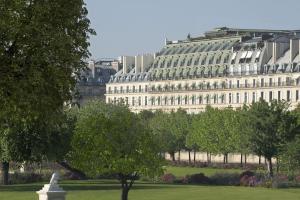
[(233, 56), (243, 54), (257, 54), (249, 54)]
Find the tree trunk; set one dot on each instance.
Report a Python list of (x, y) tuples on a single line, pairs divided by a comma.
[(270, 167), (5, 174), (125, 191), (190, 160), (259, 160), (245, 159), (241, 160), (172, 155), (179, 156), (208, 157), (79, 174), (224, 159), (277, 165), (194, 156)]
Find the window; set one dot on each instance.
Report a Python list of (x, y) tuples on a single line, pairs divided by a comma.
[(166, 100), (140, 101), (253, 82), (178, 101), (279, 95), (262, 82), (115, 89), (152, 101), (132, 101), (262, 95), (237, 97), (288, 95), (109, 90), (270, 96), (193, 99), (223, 98), (158, 101), (253, 97), (246, 83), (207, 99), (121, 89), (146, 88), (146, 101), (270, 81), (230, 84), (115, 100), (279, 81), (238, 84), (230, 98), (127, 89), (245, 97), (215, 98), (133, 88), (297, 95), (140, 88), (200, 99), (186, 100), (126, 100), (172, 100)]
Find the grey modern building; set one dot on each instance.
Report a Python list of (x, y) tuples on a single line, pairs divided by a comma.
[(94, 79)]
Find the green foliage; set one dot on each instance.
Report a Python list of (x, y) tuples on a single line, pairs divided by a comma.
[(215, 130), (290, 156), (111, 139), (42, 48), (272, 126)]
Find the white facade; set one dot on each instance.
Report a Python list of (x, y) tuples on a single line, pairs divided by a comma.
[(227, 67)]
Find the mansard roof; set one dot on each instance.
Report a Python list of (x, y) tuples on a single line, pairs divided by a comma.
[(221, 52)]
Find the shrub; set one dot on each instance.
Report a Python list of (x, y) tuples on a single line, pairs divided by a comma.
[(249, 181), (297, 179), (198, 179), (168, 178), (280, 181), (226, 179), (22, 178), (247, 173)]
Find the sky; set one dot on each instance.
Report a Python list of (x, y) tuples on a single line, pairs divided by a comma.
[(132, 27)]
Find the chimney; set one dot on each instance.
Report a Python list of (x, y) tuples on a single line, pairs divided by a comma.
[(138, 63), (294, 48)]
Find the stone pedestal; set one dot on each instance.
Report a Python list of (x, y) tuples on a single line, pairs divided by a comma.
[(51, 192)]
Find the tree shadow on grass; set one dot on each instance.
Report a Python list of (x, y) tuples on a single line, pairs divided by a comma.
[(82, 186)]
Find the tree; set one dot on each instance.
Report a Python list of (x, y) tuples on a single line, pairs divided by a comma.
[(179, 127), (42, 50), (272, 127), (215, 131), (111, 139), (160, 126)]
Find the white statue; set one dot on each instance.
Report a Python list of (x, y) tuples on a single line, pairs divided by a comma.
[(54, 178)]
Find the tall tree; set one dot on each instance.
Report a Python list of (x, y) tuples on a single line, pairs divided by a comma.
[(111, 139), (42, 49), (160, 126), (272, 127)]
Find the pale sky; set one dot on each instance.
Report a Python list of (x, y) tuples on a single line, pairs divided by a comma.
[(131, 27)]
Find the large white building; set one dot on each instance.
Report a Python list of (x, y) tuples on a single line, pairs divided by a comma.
[(225, 67)]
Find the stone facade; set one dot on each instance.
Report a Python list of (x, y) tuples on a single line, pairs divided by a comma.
[(226, 67)]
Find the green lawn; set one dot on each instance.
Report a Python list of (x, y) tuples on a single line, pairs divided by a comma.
[(182, 171), (110, 190)]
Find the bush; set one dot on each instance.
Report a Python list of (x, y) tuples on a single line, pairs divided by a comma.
[(168, 178), (226, 179), (198, 179), (22, 178), (280, 181)]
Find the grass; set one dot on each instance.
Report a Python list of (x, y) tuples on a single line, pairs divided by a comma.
[(182, 171), (110, 190)]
